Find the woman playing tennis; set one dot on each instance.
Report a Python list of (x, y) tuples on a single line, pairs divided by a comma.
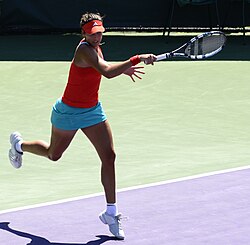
[(80, 109)]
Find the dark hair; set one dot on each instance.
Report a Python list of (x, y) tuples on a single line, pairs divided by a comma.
[(90, 16)]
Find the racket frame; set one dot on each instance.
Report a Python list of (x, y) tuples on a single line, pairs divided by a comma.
[(177, 53)]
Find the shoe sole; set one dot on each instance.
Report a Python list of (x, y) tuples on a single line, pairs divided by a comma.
[(12, 139), (15, 166)]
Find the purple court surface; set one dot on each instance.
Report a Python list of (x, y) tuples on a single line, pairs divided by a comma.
[(211, 210)]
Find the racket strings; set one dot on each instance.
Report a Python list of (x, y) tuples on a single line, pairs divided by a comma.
[(205, 45)]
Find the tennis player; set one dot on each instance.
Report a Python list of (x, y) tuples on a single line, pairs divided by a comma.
[(80, 109)]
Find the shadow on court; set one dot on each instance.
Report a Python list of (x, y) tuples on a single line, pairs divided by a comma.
[(61, 47), (37, 240)]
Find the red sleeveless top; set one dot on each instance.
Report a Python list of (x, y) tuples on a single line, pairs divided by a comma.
[(82, 87)]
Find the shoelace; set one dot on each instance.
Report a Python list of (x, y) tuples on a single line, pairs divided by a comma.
[(119, 217)]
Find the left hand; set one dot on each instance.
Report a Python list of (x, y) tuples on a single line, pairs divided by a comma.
[(134, 71)]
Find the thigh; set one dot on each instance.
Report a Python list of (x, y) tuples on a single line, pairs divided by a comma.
[(60, 140), (100, 136)]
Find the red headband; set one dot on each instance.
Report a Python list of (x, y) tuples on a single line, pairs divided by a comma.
[(93, 26)]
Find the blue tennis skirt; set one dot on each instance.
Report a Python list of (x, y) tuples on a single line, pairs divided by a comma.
[(72, 118)]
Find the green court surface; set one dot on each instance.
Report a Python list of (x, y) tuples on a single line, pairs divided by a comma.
[(183, 118)]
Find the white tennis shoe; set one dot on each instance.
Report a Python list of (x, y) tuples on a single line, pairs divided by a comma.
[(15, 156), (114, 223)]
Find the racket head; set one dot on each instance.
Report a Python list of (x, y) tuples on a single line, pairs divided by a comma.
[(205, 45)]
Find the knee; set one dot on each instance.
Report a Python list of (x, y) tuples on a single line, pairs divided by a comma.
[(109, 159), (54, 157), (113, 156)]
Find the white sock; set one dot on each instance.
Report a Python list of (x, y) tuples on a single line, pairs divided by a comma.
[(112, 209), (18, 146)]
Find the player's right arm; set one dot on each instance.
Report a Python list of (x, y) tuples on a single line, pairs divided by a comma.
[(87, 56)]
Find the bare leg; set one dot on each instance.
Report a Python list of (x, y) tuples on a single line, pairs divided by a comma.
[(101, 137), (60, 140)]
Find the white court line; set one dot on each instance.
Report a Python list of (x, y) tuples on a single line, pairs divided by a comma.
[(126, 189)]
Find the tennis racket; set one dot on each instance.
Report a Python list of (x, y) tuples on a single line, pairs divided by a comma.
[(200, 47)]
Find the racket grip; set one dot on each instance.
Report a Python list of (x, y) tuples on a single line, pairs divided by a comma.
[(162, 56)]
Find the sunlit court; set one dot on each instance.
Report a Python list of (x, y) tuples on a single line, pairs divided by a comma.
[(181, 135)]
